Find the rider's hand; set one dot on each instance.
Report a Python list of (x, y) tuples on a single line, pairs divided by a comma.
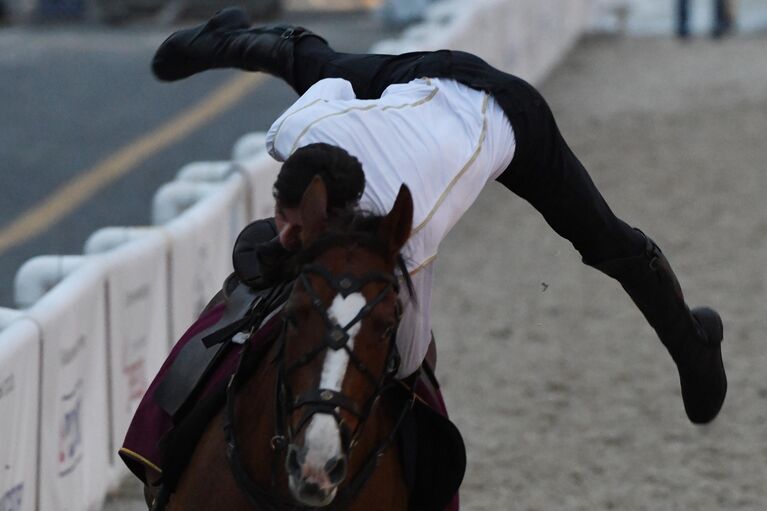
[(290, 237)]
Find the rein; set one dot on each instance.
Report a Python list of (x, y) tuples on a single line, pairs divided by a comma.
[(326, 401)]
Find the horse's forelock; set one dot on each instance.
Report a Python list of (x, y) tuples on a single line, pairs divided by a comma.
[(345, 228), (350, 228)]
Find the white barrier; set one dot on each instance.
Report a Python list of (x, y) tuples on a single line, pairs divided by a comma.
[(261, 171), (205, 171), (137, 328), (526, 38), (74, 439), (200, 257), (109, 238), (248, 146), (19, 409), (173, 198), (39, 275), (8, 316)]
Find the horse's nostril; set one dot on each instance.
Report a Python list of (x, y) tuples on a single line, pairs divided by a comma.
[(293, 463), (336, 469)]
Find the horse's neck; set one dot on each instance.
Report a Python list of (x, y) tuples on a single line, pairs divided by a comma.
[(385, 488), (255, 421), (376, 430)]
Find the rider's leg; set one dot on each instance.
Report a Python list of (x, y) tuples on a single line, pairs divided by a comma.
[(545, 172), (227, 41), (294, 54)]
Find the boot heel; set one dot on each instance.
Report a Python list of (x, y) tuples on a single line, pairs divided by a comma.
[(702, 375), (711, 322)]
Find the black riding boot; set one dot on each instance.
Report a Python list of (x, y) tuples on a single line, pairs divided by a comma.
[(693, 338), (227, 41)]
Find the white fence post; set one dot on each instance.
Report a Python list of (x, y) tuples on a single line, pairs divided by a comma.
[(136, 294), (20, 412), (75, 421)]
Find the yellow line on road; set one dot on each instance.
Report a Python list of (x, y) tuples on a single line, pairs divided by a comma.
[(72, 194)]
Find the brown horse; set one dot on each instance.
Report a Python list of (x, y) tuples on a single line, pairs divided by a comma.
[(312, 424)]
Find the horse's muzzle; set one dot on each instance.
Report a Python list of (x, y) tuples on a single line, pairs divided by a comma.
[(310, 484)]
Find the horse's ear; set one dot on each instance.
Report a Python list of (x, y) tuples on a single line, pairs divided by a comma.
[(396, 225), (313, 211)]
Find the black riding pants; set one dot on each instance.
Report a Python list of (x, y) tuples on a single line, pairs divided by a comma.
[(544, 171)]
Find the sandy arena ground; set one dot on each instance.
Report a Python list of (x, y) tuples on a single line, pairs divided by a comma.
[(566, 398)]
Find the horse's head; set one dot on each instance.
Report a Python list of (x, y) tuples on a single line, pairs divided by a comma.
[(339, 345)]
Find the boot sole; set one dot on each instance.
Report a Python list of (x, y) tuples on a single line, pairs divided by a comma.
[(704, 395), (711, 322)]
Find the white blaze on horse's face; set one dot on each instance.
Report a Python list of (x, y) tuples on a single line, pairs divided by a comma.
[(323, 438)]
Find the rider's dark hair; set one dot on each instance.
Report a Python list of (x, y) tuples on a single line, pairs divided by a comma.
[(341, 172)]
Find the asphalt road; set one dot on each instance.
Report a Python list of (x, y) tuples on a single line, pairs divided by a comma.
[(75, 95)]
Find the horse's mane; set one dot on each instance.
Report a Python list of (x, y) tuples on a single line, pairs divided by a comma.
[(349, 227)]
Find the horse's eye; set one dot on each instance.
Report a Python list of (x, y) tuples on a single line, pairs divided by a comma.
[(291, 321), (388, 332)]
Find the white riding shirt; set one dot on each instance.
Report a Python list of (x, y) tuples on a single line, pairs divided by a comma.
[(444, 140)]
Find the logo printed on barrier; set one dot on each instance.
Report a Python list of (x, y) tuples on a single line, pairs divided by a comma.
[(136, 295), (70, 431), (137, 313), (135, 373), (138, 317), (12, 499), (68, 355), (6, 386)]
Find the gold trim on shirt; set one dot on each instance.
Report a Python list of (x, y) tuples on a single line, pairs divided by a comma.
[(463, 170), (361, 108), (423, 265), (291, 114), (417, 103)]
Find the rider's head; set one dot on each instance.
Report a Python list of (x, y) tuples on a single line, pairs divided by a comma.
[(341, 172)]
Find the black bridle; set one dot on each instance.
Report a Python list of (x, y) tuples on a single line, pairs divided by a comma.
[(336, 337), (325, 401)]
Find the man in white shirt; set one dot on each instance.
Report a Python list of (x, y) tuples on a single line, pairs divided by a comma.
[(404, 137), (446, 123)]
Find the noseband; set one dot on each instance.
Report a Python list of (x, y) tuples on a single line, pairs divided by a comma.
[(326, 401)]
